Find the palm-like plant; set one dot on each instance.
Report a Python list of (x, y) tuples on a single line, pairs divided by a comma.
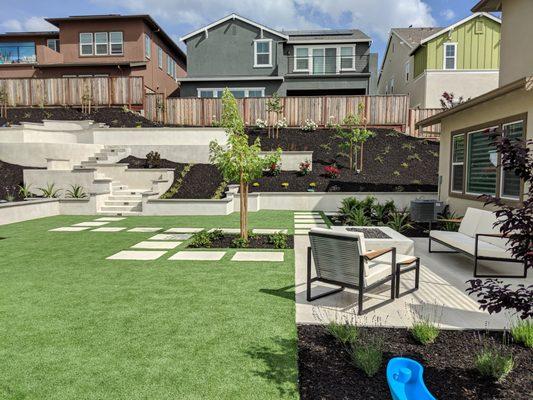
[(76, 192), (357, 217), (399, 221), (50, 191), (25, 191)]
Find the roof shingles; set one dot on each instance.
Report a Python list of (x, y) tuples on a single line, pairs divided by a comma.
[(413, 36)]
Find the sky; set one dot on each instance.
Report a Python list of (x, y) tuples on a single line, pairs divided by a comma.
[(179, 17)]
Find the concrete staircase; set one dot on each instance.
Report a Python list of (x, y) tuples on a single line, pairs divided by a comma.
[(122, 201), (108, 155)]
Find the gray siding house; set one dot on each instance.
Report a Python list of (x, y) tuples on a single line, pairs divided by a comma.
[(256, 61)]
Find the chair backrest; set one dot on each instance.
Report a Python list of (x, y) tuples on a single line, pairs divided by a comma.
[(471, 220), (337, 254)]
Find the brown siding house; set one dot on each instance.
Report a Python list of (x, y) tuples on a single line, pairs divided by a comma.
[(96, 45)]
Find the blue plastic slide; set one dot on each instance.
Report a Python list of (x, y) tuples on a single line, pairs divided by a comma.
[(406, 381)]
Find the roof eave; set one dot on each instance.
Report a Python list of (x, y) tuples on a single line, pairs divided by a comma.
[(488, 6)]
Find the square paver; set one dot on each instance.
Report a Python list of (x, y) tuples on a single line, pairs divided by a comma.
[(226, 230), (110, 219), (274, 256), (70, 229), (301, 231), (297, 213), (143, 229), (309, 221), (308, 226), (198, 255), (136, 255), (184, 230), (108, 229), (156, 245), (91, 223), (171, 236), (268, 231)]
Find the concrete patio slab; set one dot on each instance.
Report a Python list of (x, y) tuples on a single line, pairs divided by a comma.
[(441, 297), (309, 221), (268, 231), (310, 216), (274, 256), (91, 223), (171, 236), (184, 230), (306, 213), (136, 255), (110, 219), (143, 229), (301, 231), (156, 245), (108, 229), (69, 229), (198, 255), (309, 225)]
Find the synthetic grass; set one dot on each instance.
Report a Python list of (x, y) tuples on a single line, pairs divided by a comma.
[(74, 325)]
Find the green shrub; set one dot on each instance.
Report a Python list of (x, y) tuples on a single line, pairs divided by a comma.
[(202, 239), (399, 221), (343, 332), (76, 192), (279, 240), (240, 243), (357, 217), (493, 363), (367, 356), (25, 191), (424, 332), (522, 332), (153, 159), (50, 191)]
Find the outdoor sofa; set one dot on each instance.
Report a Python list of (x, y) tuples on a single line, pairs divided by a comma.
[(478, 239), (341, 259)]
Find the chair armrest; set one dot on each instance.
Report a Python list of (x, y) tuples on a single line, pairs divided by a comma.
[(370, 255), (496, 235), (407, 261)]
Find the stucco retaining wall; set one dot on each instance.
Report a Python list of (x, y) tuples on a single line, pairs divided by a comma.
[(25, 210)]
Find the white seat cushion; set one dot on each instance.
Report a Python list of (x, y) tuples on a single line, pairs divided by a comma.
[(467, 244), (376, 271)]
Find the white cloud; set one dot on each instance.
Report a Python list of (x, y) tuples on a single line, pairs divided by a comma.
[(32, 24), (375, 17), (448, 14)]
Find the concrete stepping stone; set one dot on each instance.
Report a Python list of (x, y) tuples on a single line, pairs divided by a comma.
[(332, 214), (91, 223), (307, 213), (268, 231), (156, 245), (184, 230), (142, 229), (70, 229), (274, 256), (308, 221), (301, 231), (309, 226), (307, 216), (136, 255), (226, 230), (108, 229), (171, 236), (198, 255), (110, 219)]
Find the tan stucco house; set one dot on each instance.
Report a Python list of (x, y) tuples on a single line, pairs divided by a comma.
[(466, 166), (462, 58)]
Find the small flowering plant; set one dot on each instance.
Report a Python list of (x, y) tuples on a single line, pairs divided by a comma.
[(332, 172), (312, 184), (331, 122), (282, 123), (274, 169), (255, 184), (305, 168), (309, 126), (285, 185), (260, 123)]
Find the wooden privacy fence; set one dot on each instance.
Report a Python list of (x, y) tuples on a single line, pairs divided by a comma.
[(103, 91), (417, 114), (380, 110)]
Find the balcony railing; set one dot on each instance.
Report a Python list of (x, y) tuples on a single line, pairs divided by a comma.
[(327, 65), (17, 53)]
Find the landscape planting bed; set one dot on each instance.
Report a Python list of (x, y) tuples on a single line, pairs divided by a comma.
[(11, 176), (255, 242), (325, 370)]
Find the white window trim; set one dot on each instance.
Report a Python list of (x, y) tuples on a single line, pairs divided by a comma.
[(121, 43), (501, 169), (86, 44), (407, 71), (54, 41), (106, 43), (159, 57), (147, 46), (454, 163), (339, 57), (216, 90), (269, 65), (308, 69), (467, 151), (446, 45)]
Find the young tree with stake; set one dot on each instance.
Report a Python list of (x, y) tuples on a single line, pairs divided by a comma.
[(237, 160)]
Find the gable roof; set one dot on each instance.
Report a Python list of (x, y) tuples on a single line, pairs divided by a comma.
[(233, 17), (413, 36), (328, 36), (488, 5), (458, 23)]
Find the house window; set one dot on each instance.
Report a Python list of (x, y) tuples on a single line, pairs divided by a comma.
[(86, 44), (238, 93), (101, 43), (147, 46), (263, 53), (510, 183), (116, 43), (53, 44), (206, 94), (481, 166), (479, 26), (347, 58), (160, 57), (302, 59), (407, 70), (458, 158), (450, 55)]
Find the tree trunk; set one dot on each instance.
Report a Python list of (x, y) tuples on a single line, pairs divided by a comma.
[(242, 197), (245, 187), (361, 158)]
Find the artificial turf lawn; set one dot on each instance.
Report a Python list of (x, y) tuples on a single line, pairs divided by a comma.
[(74, 325)]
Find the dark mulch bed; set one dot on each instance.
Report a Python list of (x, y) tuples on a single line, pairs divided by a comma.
[(383, 155), (325, 371), (201, 182), (370, 233), (255, 242), (135, 162), (11, 176), (112, 116)]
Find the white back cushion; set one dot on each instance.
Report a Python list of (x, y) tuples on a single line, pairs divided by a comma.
[(486, 225), (470, 221)]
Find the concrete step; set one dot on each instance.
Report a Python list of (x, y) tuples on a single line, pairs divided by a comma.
[(130, 202), (130, 198), (119, 213), (128, 192)]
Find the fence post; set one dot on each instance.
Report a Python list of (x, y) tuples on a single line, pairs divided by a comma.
[(324, 110), (202, 112)]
